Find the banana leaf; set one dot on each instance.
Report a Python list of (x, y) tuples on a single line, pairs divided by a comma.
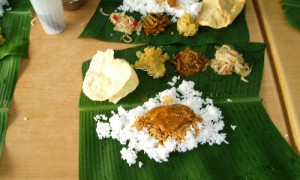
[(9, 71), (16, 28), (20, 5), (291, 9), (256, 149), (15, 25), (99, 27), (3, 127)]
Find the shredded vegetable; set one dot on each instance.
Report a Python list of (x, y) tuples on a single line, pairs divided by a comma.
[(227, 60), (125, 24)]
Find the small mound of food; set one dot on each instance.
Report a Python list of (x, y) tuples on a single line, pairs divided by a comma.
[(2, 38), (125, 24), (108, 78), (176, 119), (155, 23), (187, 26), (189, 62), (227, 60), (153, 61)]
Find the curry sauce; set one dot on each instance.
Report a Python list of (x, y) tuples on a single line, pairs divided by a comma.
[(169, 121)]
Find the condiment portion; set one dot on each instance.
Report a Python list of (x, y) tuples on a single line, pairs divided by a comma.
[(189, 62), (108, 78), (155, 23), (153, 61), (2, 38), (176, 119), (227, 61), (125, 24), (187, 26)]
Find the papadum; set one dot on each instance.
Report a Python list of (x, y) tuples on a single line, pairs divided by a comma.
[(108, 78), (219, 13)]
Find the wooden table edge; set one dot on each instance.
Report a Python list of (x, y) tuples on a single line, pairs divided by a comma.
[(286, 99)]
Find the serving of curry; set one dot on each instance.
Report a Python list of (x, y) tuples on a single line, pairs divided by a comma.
[(169, 121)]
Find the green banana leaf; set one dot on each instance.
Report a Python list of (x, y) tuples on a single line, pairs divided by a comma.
[(20, 5), (16, 28), (99, 27), (3, 127), (291, 9), (9, 71), (256, 149)]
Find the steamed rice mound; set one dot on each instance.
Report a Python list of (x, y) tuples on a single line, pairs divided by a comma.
[(120, 125), (161, 6)]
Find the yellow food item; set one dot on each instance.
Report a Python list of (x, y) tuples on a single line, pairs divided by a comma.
[(169, 121), (187, 26), (152, 61)]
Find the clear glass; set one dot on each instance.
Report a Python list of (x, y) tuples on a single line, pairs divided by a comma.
[(50, 14)]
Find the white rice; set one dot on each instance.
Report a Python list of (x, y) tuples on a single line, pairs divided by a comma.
[(119, 125), (3, 3), (140, 164), (146, 6), (233, 127), (229, 100)]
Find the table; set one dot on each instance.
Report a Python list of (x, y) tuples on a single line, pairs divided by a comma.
[(283, 42), (41, 142)]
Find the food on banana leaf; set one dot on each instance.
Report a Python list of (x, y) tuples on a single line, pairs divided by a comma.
[(2, 39), (227, 60), (150, 127), (189, 62), (173, 8), (108, 78), (125, 24), (173, 121), (153, 61), (219, 13), (171, 3), (155, 23), (187, 26)]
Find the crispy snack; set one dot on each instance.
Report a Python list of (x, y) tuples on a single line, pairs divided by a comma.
[(169, 121), (108, 78), (219, 13), (152, 61), (189, 62), (187, 26), (2, 39), (171, 3), (227, 60), (155, 23)]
